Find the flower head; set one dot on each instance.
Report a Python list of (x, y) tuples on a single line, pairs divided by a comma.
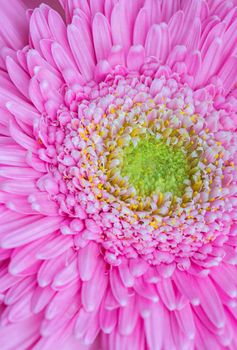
[(118, 175)]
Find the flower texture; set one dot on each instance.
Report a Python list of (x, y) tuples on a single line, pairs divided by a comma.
[(118, 216)]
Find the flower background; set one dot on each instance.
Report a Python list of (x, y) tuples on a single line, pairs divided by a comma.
[(78, 271)]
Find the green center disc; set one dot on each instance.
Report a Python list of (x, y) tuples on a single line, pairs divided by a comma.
[(152, 166)]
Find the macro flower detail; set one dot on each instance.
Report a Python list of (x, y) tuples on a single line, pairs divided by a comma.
[(118, 175)]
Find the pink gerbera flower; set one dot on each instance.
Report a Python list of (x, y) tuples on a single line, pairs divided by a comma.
[(118, 215)]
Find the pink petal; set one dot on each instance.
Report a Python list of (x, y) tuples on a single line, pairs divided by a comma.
[(128, 317), (108, 319), (82, 53), (229, 40), (186, 285), (210, 61), (18, 292), (228, 73), (135, 58), (54, 247), (18, 173), (154, 328), (41, 298), (141, 27), (13, 157), (157, 41), (101, 36), (38, 28), (120, 27), (23, 334), (61, 301), (175, 27), (65, 64), (87, 261), (211, 302), (49, 269), (35, 60), (45, 46), (14, 29), (92, 295), (96, 6), (18, 76), (11, 221), (168, 8), (24, 258), (67, 275), (117, 56), (26, 114), (146, 290), (35, 94), (193, 62), (138, 267), (166, 291), (193, 37), (20, 310), (154, 10), (7, 280), (192, 10), (110, 302), (39, 228), (125, 274), (92, 332), (21, 138), (57, 28), (119, 291), (186, 321), (84, 321)]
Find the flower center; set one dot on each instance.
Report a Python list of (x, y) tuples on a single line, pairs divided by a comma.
[(147, 169), (152, 166)]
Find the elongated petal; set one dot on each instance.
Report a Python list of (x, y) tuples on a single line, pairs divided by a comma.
[(108, 320), (167, 293), (14, 32), (55, 247), (40, 228), (101, 36), (26, 114), (128, 317), (228, 72), (141, 27), (119, 291), (48, 270), (87, 261), (82, 53), (120, 27), (83, 322), (125, 274), (21, 138), (38, 28), (186, 321), (65, 64), (18, 292), (18, 76), (91, 295), (41, 298), (152, 324), (61, 301), (211, 302), (67, 275)]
